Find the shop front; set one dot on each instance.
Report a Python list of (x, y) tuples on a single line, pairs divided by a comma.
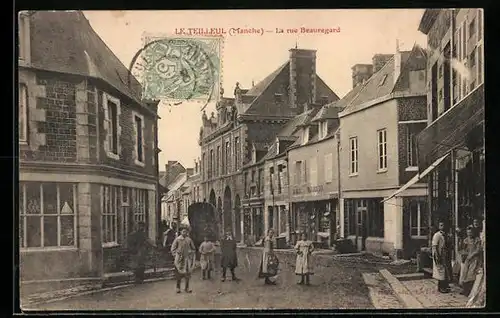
[(253, 220), (456, 183), (314, 213)]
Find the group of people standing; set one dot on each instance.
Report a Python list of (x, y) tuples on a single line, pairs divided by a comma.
[(221, 253), (469, 262)]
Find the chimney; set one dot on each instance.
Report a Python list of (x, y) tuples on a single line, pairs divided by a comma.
[(361, 73), (302, 77), (379, 60), (397, 62)]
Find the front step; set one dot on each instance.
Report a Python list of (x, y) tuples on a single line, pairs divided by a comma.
[(411, 276)]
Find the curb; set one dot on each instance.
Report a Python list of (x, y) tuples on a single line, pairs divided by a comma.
[(401, 292)]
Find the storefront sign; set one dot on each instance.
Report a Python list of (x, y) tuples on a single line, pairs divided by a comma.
[(308, 189)]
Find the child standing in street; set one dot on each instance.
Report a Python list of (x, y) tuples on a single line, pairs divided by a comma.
[(303, 266), (207, 250)]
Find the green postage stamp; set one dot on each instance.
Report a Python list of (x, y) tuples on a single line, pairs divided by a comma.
[(174, 68)]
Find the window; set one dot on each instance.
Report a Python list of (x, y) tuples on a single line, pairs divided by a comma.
[(479, 54), (109, 212), (271, 180), (472, 58), (421, 75), (412, 131), (23, 113), (375, 221), (139, 205), (305, 135), (112, 126), (211, 164), (24, 37), (382, 149), (47, 214), (440, 94), (353, 155), (228, 157), (441, 68), (323, 129), (314, 171), (298, 172), (418, 218), (472, 28), (278, 98), (139, 139), (479, 25), (124, 216), (237, 151), (280, 176), (349, 218), (218, 164), (328, 168), (203, 166)]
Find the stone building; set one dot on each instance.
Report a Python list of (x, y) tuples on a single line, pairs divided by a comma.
[(253, 117), (451, 150), (87, 150), (380, 120)]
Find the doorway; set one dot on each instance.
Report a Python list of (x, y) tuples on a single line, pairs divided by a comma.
[(361, 228)]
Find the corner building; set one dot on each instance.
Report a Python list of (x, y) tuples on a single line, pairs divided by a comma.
[(87, 150), (253, 117)]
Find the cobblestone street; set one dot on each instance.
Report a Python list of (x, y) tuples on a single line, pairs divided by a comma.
[(335, 285)]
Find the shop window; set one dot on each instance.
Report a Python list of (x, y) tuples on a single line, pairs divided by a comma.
[(139, 139), (349, 218), (109, 210), (418, 218), (375, 218), (23, 113), (47, 215)]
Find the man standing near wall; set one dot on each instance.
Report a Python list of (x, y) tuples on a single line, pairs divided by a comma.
[(138, 248)]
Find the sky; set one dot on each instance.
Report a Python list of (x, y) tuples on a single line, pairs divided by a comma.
[(251, 57)]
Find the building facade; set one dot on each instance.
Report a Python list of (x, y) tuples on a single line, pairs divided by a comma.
[(88, 156), (451, 149), (314, 179), (253, 117), (379, 155)]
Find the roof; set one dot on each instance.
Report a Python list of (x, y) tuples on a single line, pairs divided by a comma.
[(329, 111), (428, 19), (291, 126), (264, 107), (64, 41), (262, 85), (378, 85)]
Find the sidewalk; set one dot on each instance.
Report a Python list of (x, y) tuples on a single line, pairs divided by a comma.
[(413, 291)]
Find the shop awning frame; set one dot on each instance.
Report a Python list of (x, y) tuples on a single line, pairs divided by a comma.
[(417, 177), (450, 130)]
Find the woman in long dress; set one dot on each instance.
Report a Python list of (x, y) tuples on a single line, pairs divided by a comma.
[(471, 253), (269, 262), (303, 265)]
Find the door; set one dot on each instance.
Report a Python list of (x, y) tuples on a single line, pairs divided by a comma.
[(361, 229)]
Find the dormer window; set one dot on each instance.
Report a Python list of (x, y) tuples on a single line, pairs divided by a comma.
[(278, 98), (323, 129), (24, 37), (305, 135)]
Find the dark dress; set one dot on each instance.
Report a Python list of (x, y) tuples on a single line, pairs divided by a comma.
[(138, 247), (229, 257)]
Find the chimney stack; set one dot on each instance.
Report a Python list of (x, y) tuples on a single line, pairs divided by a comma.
[(361, 73), (302, 77), (397, 62), (379, 60)]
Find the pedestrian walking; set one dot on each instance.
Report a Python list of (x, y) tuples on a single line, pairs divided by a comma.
[(470, 254), (138, 248), (183, 250), (269, 262), (440, 259), (229, 256), (303, 265), (207, 250)]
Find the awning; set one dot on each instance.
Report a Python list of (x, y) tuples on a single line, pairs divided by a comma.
[(451, 129), (185, 221), (417, 177)]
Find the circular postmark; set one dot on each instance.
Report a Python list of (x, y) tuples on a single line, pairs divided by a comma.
[(178, 69)]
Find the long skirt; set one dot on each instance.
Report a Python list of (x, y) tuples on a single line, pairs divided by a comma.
[(268, 265), (469, 270)]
